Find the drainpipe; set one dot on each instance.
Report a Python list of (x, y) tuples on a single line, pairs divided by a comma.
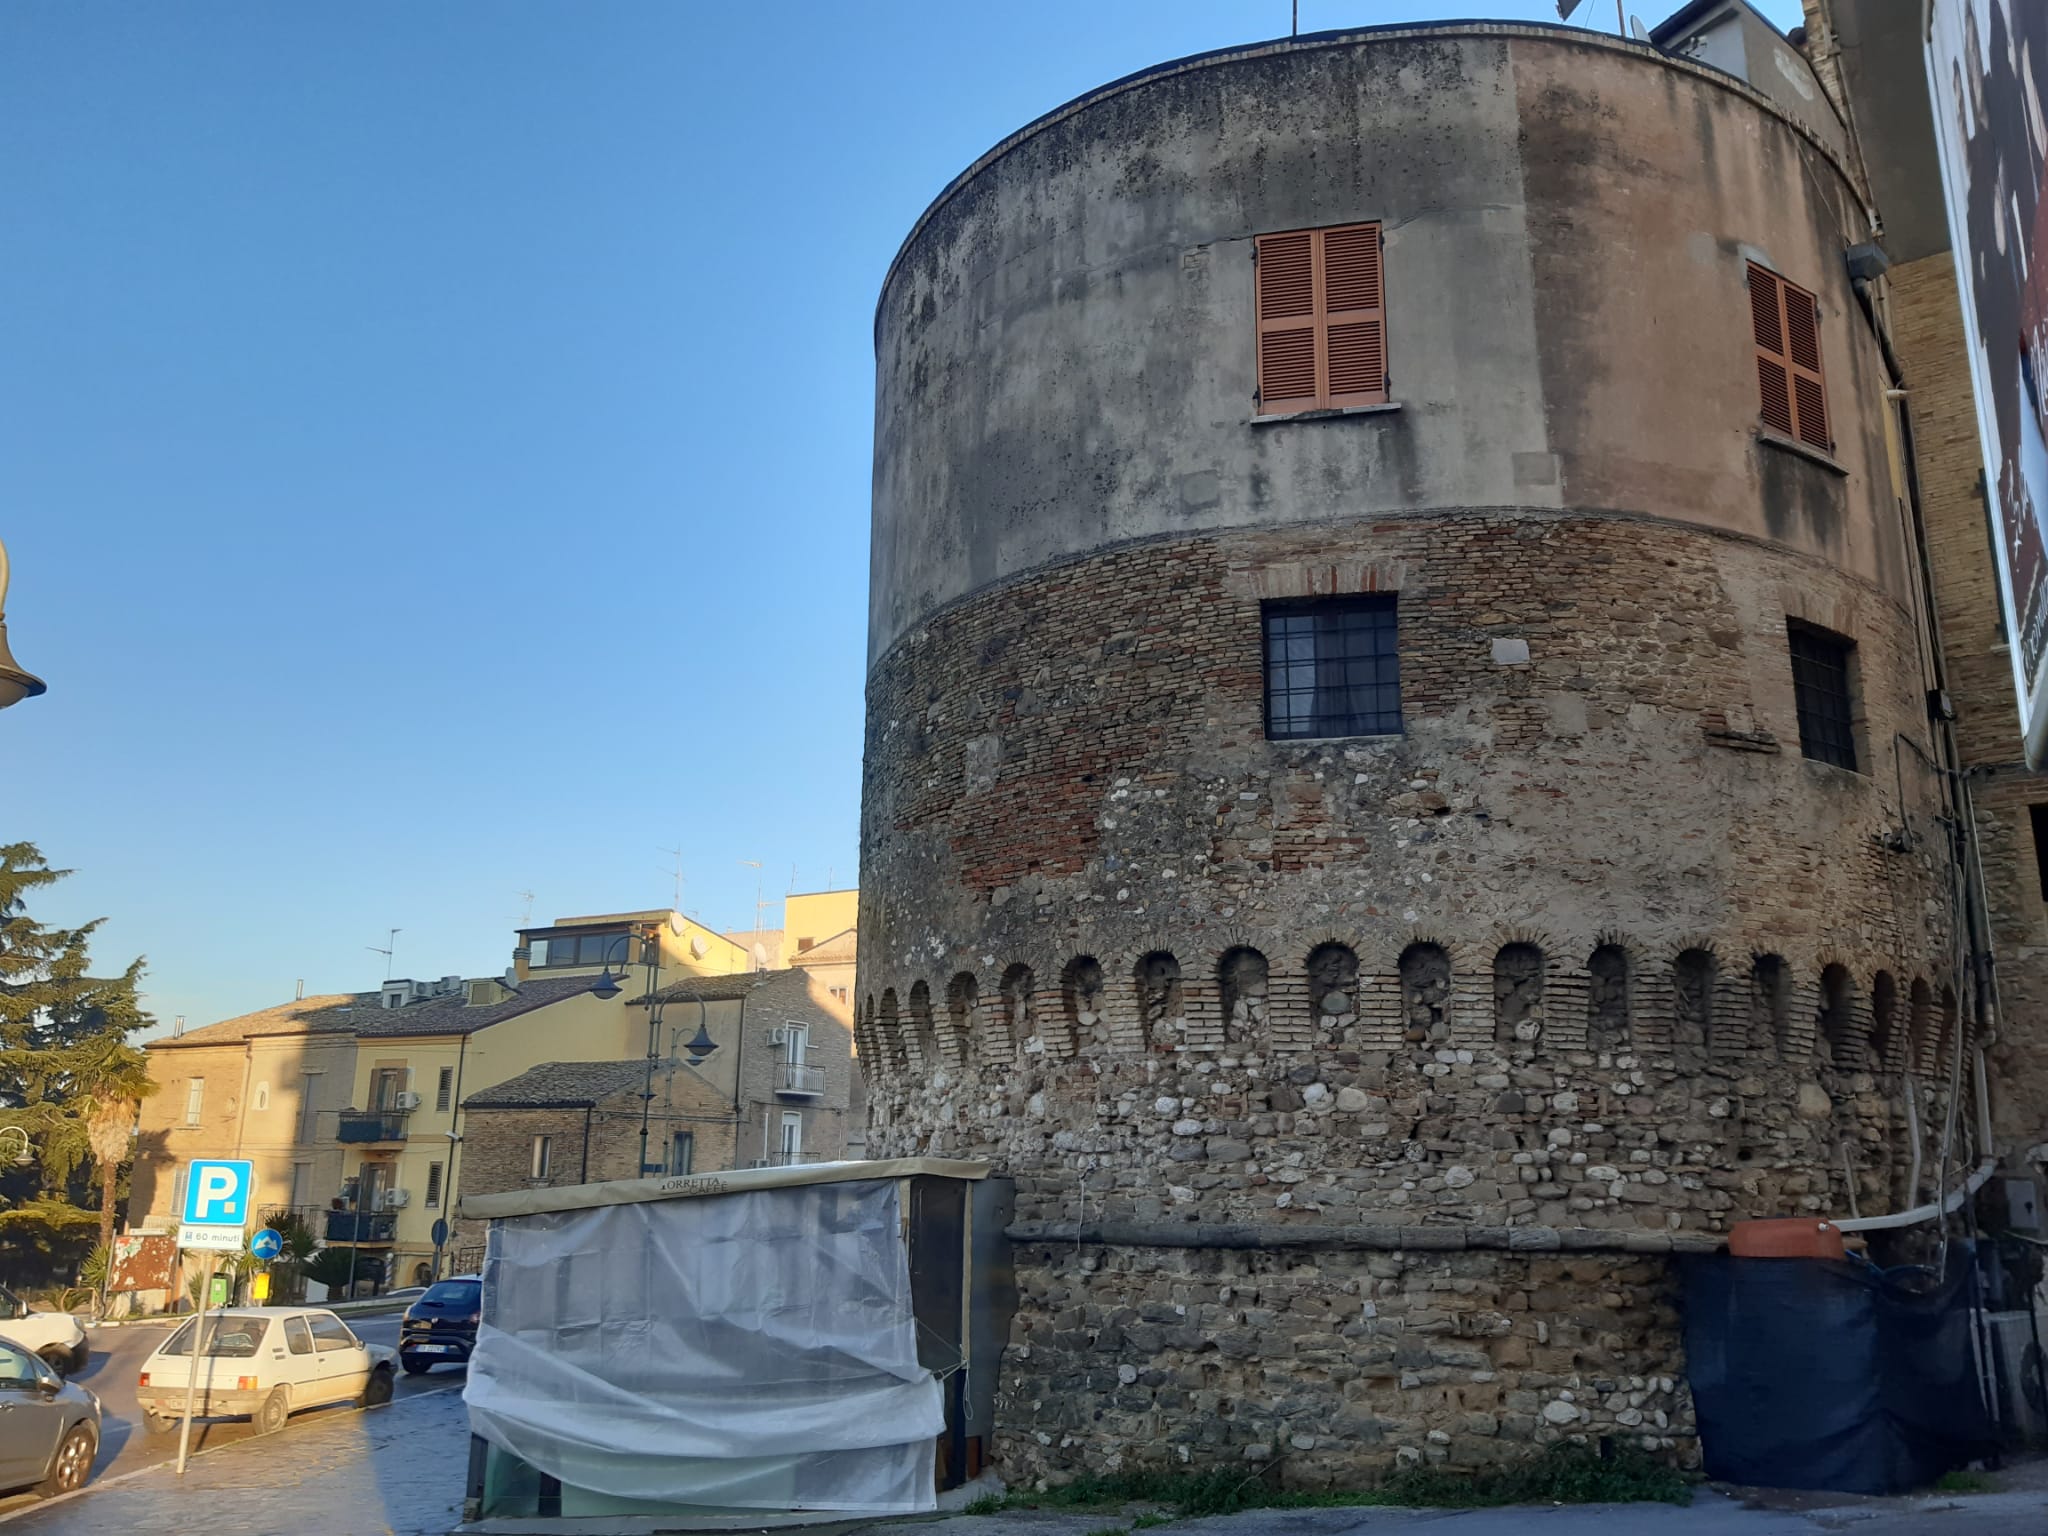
[(583, 1174), (455, 1126), (739, 1065)]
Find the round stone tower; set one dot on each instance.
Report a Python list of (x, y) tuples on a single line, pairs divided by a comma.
[(1396, 786)]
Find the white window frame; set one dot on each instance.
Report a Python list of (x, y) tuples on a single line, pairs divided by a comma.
[(792, 1134), (195, 1100), (798, 1037), (542, 1163)]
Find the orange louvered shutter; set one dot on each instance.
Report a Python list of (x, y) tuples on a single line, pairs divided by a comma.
[(1287, 321), (1354, 317), (1322, 319), (1786, 322)]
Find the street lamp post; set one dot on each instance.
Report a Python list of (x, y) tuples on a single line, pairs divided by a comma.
[(699, 1048), (15, 684)]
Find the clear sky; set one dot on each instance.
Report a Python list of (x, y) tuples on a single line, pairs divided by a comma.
[(434, 445)]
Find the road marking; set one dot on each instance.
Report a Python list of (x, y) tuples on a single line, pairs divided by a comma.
[(37, 1506)]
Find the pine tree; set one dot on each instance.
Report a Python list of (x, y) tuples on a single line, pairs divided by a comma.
[(68, 1076)]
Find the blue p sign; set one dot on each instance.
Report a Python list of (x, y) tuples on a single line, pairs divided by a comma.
[(217, 1192)]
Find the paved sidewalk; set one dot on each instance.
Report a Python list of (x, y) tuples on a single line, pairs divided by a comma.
[(396, 1470)]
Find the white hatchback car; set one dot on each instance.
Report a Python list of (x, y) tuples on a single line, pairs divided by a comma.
[(265, 1362)]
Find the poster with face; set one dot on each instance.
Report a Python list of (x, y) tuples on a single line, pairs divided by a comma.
[(1987, 61)]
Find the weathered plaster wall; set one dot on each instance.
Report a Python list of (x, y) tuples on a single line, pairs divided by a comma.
[(1065, 343)]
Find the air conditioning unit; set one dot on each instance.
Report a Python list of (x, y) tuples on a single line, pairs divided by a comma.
[(778, 1037), (396, 1199), (407, 1100)]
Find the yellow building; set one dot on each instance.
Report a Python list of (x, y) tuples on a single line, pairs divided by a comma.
[(351, 1105)]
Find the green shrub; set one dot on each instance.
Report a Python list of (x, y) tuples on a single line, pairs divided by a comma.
[(1562, 1474)]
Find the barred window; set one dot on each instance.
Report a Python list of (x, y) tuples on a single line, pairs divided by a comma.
[(1332, 668), (1822, 689)]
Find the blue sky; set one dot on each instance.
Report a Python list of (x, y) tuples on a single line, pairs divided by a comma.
[(434, 446)]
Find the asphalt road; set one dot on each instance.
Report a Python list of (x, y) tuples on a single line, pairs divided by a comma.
[(125, 1445)]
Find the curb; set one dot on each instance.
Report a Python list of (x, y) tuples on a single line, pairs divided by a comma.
[(340, 1309)]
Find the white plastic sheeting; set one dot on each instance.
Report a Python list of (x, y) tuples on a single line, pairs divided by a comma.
[(747, 1351)]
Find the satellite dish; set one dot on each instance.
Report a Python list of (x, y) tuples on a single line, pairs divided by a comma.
[(698, 947), (675, 924), (1637, 30)]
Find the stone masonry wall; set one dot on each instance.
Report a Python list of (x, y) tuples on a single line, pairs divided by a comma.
[(1589, 958), (1155, 964), (1334, 1365)]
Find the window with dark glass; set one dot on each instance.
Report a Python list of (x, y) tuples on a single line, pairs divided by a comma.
[(1821, 688), (1332, 668), (565, 949)]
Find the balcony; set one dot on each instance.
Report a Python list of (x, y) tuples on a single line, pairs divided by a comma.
[(783, 1159), (373, 1125), (801, 1082), (361, 1226)]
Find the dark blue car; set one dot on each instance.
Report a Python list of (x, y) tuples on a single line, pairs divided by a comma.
[(441, 1326)]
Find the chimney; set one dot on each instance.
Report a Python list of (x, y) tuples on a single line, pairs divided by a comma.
[(177, 1026), (302, 989)]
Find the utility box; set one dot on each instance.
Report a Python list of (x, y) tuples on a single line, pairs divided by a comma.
[(820, 1338), (2022, 1205)]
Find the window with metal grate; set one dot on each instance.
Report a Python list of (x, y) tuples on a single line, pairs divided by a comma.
[(1332, 667), (1823, 690), (1785, 320), (1322, 324)]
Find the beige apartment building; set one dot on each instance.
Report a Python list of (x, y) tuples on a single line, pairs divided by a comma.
[(352, 1106)]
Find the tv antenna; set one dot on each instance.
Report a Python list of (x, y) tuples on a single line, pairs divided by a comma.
[(526, 914), (387, 949), (677, 872), (759, 904)]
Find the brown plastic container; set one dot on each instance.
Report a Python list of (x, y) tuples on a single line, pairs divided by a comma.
[(1786, 1237)]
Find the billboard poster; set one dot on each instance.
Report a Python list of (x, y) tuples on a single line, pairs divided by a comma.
[(143, 1261), (1987, 67)]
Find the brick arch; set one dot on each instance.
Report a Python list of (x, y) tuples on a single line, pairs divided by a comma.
[(1518, 977), (1886, 1021), (1244, 981), (1771, 1004), (922, 1035), (1018, 1004), (866, 1046), (1922, 1027), (889, 1030), (1610, 995), (1084, 987), (1838, 1033), (1428, 976), (1694, 974), (956, 1036), (1160, 988)]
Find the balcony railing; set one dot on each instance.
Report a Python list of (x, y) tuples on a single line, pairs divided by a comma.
[(361, 1226), (371, 1125), (799, 1081), (787, 1160)]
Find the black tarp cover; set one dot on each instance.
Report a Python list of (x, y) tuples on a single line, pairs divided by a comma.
[(1816, 1373)]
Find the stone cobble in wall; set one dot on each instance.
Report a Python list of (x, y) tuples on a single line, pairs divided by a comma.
[(1335, 1366), (1420, 915)]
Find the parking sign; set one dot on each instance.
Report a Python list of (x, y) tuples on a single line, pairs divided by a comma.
[(217, 1192)]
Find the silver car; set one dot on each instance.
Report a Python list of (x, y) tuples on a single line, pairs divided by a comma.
[(49, 1428)]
